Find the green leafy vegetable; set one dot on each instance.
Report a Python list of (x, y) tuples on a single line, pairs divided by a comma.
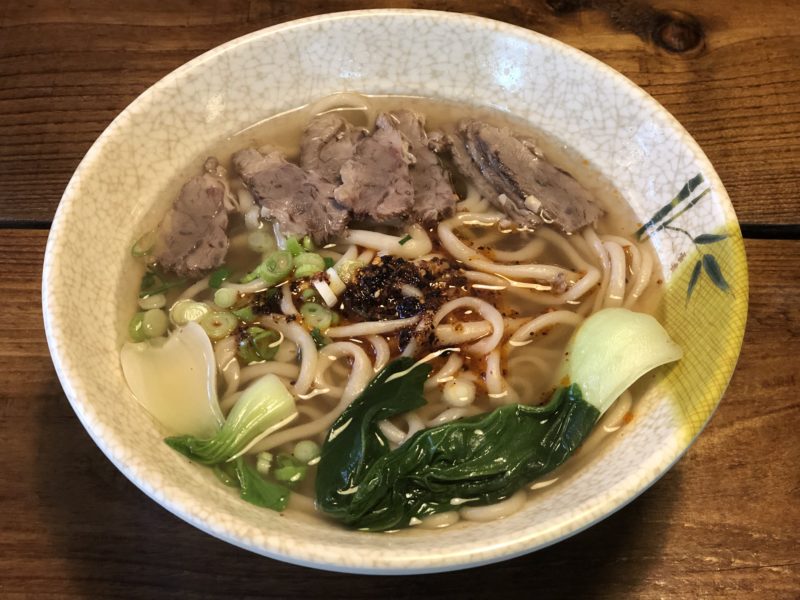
[(257, 344), (218, 277), (256, 490), (486, 458), (226, 473), (263, 407), (475, 461), (405, 240), (329, 262)]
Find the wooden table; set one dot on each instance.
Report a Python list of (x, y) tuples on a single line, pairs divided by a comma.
[(724, 522)]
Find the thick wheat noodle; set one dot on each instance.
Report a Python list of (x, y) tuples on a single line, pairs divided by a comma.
[(466, 331), (194, 289), (523, 335), (494, 282), (497, 387), (281, 369), (616, 280), (287, 304), (596, 244), (366, 256), (370, 328), (450, 368), (225, 354), (418, 244), (308, 350), (392, 432), (487, 311), (642, 278), (563, 244), (360, 375), (529, 251), (381, 350), (473, 259)]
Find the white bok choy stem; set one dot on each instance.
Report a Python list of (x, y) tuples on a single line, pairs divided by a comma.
[(176, 381), (611, 350)]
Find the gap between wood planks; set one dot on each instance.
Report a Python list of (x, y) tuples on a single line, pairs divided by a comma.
[(751, 231)]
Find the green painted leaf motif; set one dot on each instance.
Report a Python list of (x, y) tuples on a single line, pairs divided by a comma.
[(682, 195), (693, 280), (709, 238), (714, 271)]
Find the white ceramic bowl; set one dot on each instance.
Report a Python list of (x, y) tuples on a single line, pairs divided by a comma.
[(624, 133)]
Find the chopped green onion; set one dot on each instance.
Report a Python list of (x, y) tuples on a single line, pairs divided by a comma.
[(263, 462), (261, 241), (144, 245), (293, 246), (308, 295), (289, 469), (316, 316), (347, 270), (308, 244), (335, 318), (329, 262), (218, 325), (306, 451), (218, 277), (187, 310), (245, 315), (258, 344), (308, 264), (319, 339), (225, 297), (154, 301), (136, 328), (405, 239), (155, 323), (273, 269)]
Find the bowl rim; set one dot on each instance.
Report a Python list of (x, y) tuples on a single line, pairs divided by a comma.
[(455, 560)]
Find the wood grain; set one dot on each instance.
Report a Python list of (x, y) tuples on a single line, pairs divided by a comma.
[(68, 68), (725, 522)]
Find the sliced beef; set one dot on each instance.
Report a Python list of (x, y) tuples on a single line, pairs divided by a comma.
[(526, 186), (434, 198), (300, 202), (191, 239), (376, 184), (328, 142)]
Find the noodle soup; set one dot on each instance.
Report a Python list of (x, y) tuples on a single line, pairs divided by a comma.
[(487, 293)]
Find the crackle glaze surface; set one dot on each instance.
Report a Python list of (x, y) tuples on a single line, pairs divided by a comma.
[(622, 131)]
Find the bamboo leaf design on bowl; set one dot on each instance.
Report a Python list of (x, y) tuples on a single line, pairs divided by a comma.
[(662, 221)]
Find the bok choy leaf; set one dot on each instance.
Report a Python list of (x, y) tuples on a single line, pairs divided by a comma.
[(482, 459), (266, 405)]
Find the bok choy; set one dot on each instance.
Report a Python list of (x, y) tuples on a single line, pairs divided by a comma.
[(486, 458), (266, 405)]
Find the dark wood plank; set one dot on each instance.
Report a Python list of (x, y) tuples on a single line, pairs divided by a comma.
[(66, 69), (724, 522)]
